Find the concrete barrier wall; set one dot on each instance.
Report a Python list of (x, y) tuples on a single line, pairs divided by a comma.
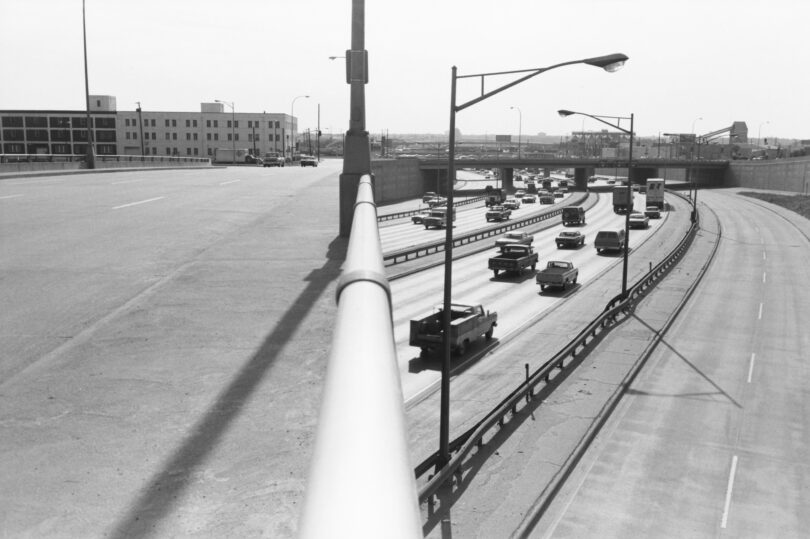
[(780, 174), (45, 166), (396, 179)]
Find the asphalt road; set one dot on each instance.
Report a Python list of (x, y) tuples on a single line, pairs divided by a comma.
[(712, 439), (163, 342)]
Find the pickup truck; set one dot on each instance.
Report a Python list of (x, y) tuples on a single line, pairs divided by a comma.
[(559, 273), (467, 323), (437, 217), (514, 257), (515, 236), (498, 213)]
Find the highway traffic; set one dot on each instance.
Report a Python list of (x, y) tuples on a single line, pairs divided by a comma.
[(517, 299)]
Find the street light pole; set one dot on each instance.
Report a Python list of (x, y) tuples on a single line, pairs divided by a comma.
[(618, 119), (140, 126), (759, 131), (520, 126), (292, 124), (610, 63), (233, 125), (91, 154)]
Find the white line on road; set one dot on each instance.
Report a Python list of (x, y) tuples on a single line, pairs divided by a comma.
[(763, 276), (231, 181), (26, 182), (131, 181), (729, 488), (764, 256), (136, 203), (760, 312), (751, 366), (10, 196)]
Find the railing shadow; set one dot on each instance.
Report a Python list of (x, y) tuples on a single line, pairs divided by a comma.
[(167, 486)]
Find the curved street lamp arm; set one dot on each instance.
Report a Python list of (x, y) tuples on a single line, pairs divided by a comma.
[(599, 119), (611, 62)]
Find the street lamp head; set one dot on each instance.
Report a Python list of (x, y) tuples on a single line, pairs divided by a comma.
[(563, 113), (610, 63)]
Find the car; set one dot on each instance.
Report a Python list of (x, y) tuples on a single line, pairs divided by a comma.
[(559, 194), (639, 220), (547, 199), (437, 201), (520, 193), (570, 238), (308, 161), (272, 159), (515, 236), (529, 199), (427, 196), (511, 203), (253, 160), (653, 212), (419, 217)]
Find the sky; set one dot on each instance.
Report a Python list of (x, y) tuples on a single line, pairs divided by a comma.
[(695, 66)]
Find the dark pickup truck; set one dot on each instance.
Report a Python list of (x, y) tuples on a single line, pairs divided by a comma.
[(467, 323), (514, 257)]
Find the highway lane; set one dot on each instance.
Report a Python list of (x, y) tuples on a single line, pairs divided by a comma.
[(712, 438), (517, 299)]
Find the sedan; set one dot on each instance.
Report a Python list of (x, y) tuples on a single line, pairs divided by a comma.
[(572, 238), (653, 212), (308, 161), (639, 220)]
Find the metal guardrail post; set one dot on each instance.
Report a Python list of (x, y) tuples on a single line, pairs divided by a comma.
[(361, 483)]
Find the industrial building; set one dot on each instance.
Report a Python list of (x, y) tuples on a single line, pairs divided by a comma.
[(144, 132)]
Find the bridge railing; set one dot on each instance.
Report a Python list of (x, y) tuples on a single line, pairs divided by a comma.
[(361, 483)]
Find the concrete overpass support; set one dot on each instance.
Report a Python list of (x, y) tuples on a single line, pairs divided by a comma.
[(581, 175), (507, 178)]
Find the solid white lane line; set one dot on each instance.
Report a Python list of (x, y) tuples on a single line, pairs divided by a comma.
[(764, 256), (729, 488), (10, 196), (763, 276), (760, 312), (751, 366), (231, 181), (136, 203)]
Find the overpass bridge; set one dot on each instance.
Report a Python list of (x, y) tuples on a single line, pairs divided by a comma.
[(707, 171)]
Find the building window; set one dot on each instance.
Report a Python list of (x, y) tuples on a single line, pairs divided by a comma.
[(168, 151), (278, 124), (250, 137), (12, 121), (207, 123), (237, 136), (188, 151), (174, 136), (126, 123), (168, 136), (196, 151), (194, 123), (154, 135), (208, 136), (128, 135), (153, 123), (174, 123), (188, 136), (167, 122), (195, 136), (134, 136), (210, 151), (229, 123), (216, 123), (154, 149), (134, 122), (229, 136), (105, 123), (236, 124), (188, 123), (216, 136)]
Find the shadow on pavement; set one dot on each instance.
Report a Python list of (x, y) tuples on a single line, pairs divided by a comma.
[(168, 485)]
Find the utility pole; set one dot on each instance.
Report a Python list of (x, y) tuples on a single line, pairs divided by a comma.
[(140, 125)]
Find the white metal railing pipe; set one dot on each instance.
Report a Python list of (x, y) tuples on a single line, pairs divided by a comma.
[(361, 481)]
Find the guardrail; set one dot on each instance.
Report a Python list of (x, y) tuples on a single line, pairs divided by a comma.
[(408, 213), (360, 481), (463, 445), (69, 158), (410, 253)]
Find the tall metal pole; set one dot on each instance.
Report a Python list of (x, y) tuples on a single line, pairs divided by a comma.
[(319, 133), (91, 154), (520, 127), (444, 420), (233, 130), (629, 210), (356, 149), (140, 125)]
